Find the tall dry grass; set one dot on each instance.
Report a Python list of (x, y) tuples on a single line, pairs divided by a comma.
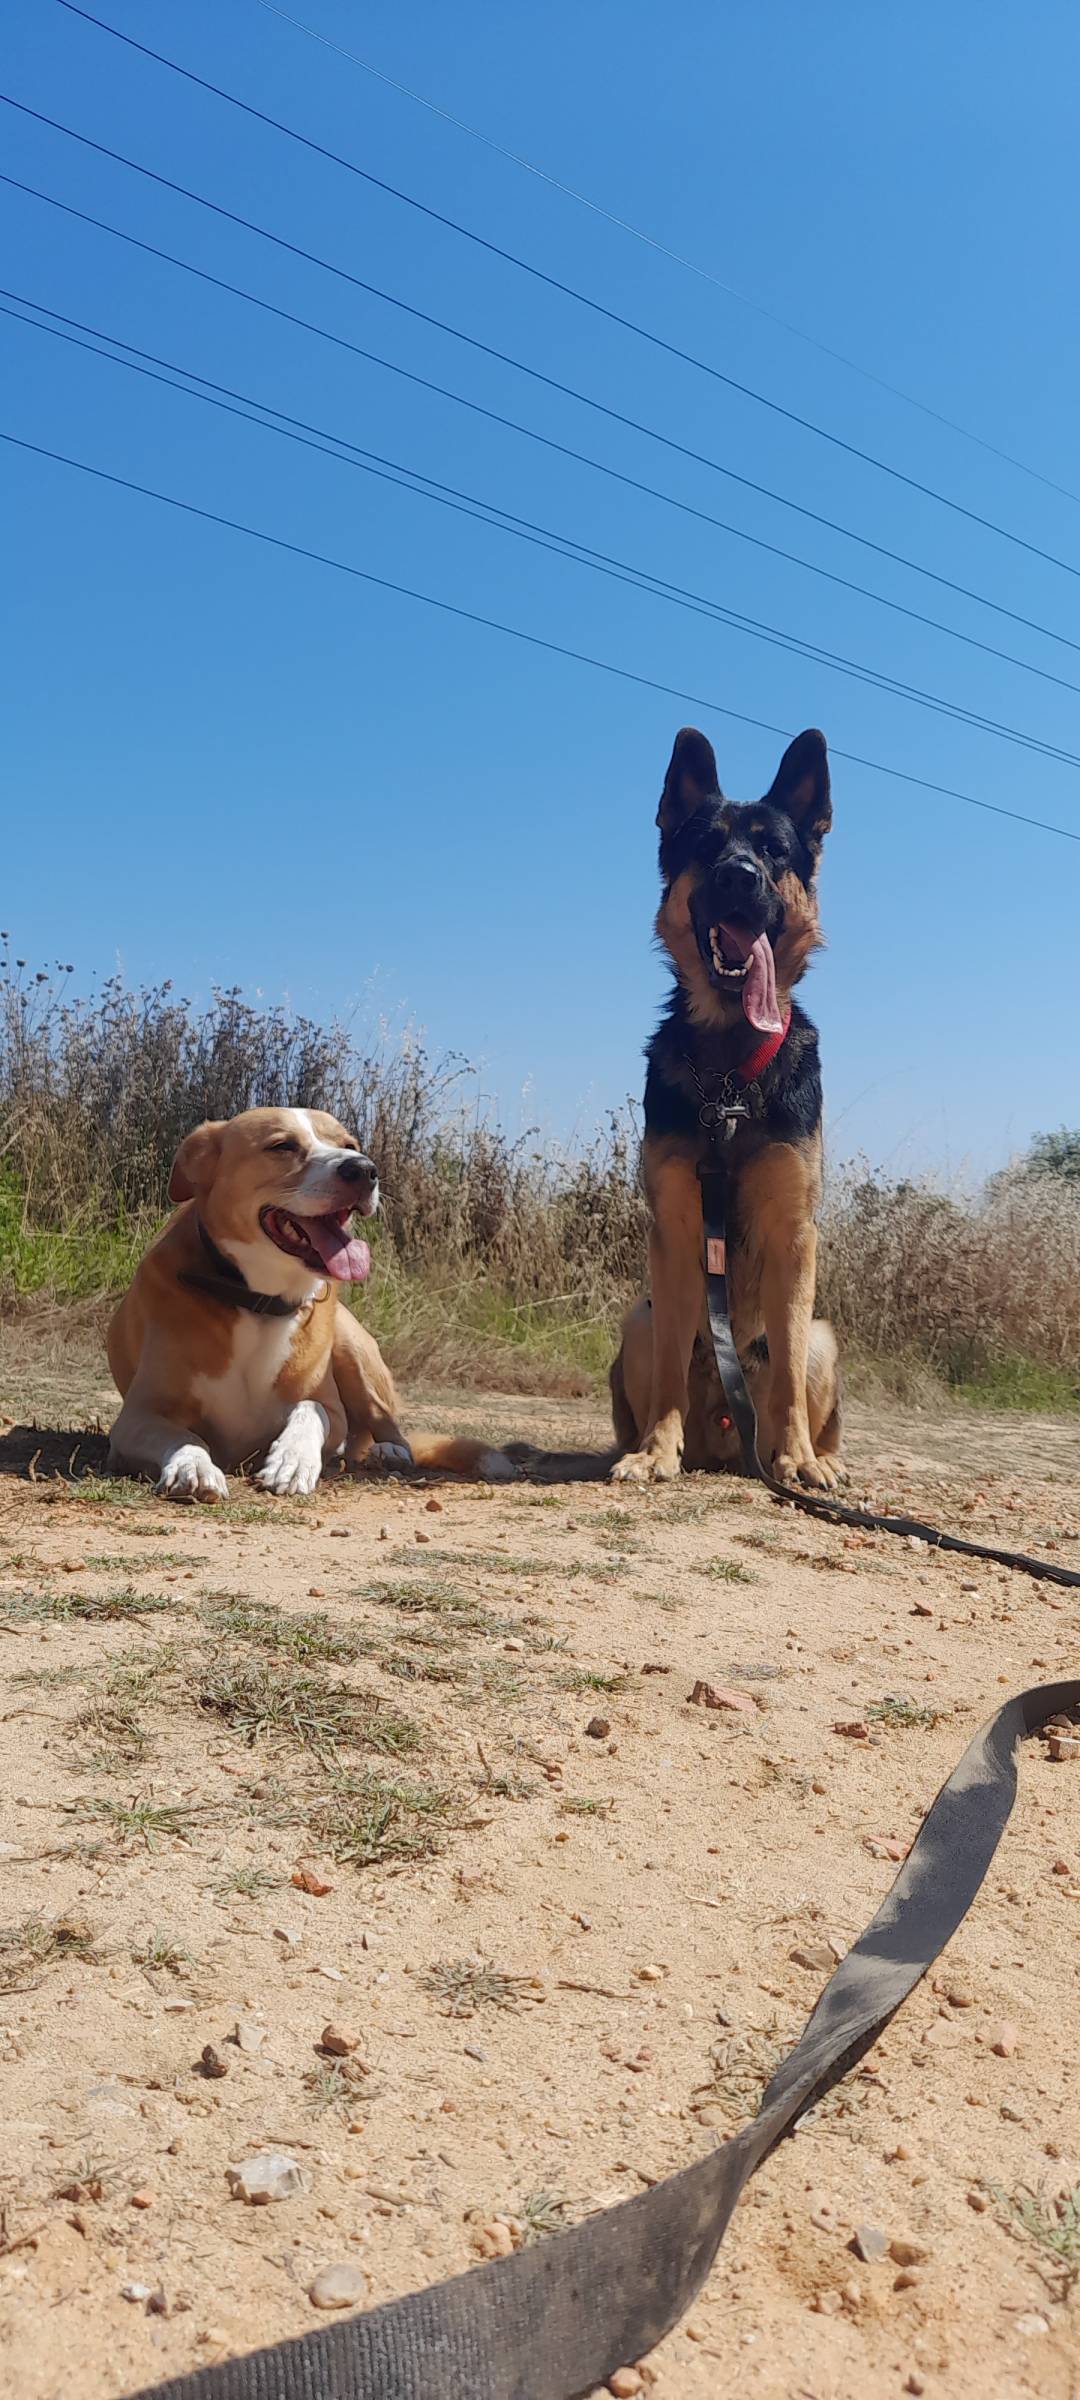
[(496, 1259)]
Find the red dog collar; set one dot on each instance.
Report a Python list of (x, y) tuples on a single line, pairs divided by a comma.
[(765, 1053)]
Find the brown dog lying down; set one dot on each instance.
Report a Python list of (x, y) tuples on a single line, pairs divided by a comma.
[(232, 1343)]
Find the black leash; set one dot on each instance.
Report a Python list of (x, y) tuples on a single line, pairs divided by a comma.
[(227, 1285), (557, 2319), (714, 1209)]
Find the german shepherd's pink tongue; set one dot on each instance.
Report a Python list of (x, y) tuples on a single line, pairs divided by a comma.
[(345, 1258), (759, 989)]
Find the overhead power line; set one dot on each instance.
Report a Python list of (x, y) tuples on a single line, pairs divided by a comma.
[(569, 291), (252, 410), (505, 358), (677, 258), (516, 633), (597, 466)]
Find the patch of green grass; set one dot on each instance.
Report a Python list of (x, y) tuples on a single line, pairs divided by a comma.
[(160, 1955), (725, 1570), (467, 1984), (1016, 1382), (1052, 2225), (896, 1711), (36, 1943), (97, 1608), (577, 1804), (86, 1259), (141, 1820), (113, 1491), (431, 1599), (368, 1819), (588, 1679)]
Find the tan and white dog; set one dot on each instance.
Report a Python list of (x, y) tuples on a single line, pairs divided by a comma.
[(231, 1342)]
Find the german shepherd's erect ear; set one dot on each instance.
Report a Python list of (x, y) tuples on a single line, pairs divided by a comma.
[(690, 779), (801, 788)]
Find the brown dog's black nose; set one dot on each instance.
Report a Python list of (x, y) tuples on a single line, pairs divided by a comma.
[(361, 1171)]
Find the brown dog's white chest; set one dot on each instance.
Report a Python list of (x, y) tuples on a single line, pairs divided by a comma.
[(243, 1408)]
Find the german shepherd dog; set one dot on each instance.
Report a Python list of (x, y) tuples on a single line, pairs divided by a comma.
[(739, 920)]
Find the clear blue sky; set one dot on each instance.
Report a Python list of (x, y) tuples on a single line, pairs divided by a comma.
[(227, 765)]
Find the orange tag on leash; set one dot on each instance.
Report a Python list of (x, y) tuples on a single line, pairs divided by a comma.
[(716, 1257)]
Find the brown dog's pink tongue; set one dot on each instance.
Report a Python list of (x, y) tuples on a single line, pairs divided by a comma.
[(759, 989), (345, 1258)]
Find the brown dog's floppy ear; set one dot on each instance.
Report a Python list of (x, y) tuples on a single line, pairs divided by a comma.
[(690, 779), (802, 790), (195, 1164)]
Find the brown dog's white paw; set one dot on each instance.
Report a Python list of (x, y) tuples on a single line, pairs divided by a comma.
[(190, 1474)]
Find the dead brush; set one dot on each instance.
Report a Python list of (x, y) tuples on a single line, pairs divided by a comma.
[(372, 1819), (256, 1699), (468, 1984), (30, 1948)]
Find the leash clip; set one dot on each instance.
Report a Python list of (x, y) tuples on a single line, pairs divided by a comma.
[(721, 1118)]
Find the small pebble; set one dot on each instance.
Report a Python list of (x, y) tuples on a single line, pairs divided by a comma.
[(869, 2243), (135, 2291), (340, 2286), (625, 2382), (421, 1537), (311, 1879), (1063, 1747), (1032, 2322), (979, 2201), (907, 2277), (434, 1507), (915, 2382), (142, 2199), (211, 2065), (1004, 2039), (598, 1729), (958, 1996), (906, 2253), (338, 2041), (814, 1955)]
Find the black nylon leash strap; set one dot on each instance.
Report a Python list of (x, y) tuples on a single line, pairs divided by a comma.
[(714, 1188), (556, 2320)]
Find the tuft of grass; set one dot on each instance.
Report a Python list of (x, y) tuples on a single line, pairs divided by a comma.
[(150, 1822), (256, 1700), (725, 1570), (246, 1883), (541, 2213), (116, 1733), (300, 1637), (1051, 2224), (160, 1955), (113, 1491), (98, 1608), (588, 1679), (332, 2083), (467, 1984), (895, 1711), (36, 1943), (369, 1819), (576, 1804), (115, 1562)]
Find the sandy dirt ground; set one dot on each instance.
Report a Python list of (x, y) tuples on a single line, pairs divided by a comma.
[(419, 1764)]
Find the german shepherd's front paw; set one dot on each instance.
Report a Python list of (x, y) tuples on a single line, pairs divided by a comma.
[(647, 1466), (799, 1466)]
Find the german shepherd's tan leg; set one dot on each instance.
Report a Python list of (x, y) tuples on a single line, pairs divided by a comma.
[(778, 1198), (677, 1290)]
